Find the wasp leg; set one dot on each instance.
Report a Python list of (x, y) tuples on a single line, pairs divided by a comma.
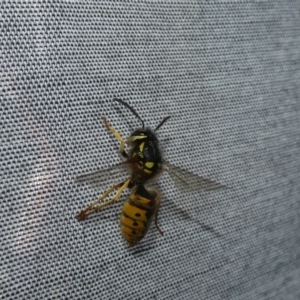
[(155, 219), (95, 206), (117, 135)]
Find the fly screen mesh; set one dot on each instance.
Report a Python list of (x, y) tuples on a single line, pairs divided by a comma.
[(228, 75)]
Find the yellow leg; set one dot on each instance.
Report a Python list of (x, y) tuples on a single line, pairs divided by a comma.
[(96, 206), (117, 136)]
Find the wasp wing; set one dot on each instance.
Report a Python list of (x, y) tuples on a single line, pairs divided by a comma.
[(99, 177), (188, 181)]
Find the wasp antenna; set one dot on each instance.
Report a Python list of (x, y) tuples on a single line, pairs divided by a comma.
[(130, 108), (162, 122)]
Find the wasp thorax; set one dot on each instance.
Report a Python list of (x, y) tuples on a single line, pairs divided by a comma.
[(145, 155)]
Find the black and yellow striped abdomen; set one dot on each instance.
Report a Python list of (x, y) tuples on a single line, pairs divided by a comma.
[(137, 213)]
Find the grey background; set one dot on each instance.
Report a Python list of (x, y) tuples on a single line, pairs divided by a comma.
[(228, 74)]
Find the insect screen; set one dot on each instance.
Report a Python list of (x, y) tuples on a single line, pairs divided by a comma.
[(228, 75)]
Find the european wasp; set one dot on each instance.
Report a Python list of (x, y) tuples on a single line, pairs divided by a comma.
[(143, 162)]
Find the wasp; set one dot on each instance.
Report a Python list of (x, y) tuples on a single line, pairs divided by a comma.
[(144, 162)]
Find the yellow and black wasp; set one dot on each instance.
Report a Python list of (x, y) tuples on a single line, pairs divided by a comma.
[(143, 162)]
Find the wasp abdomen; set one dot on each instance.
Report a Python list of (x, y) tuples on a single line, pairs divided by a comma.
[(137, 214)]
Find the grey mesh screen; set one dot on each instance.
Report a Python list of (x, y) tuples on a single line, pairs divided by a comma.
[(228, 75)]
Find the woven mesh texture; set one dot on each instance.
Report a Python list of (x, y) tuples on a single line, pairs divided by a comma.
[(228, 75)]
